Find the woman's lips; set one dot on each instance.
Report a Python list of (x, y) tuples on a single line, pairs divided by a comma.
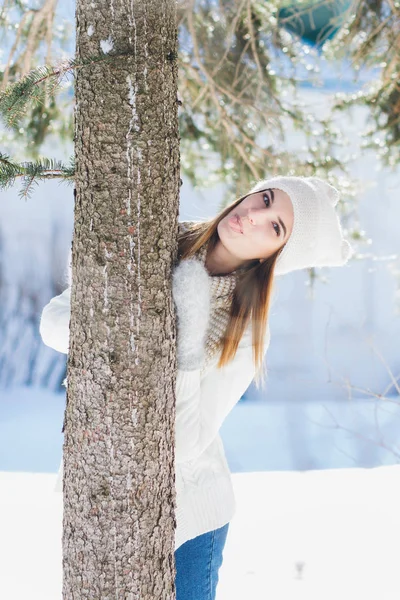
[(236, 224)]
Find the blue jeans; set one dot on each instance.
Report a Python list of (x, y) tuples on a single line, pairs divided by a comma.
[(197, 564)]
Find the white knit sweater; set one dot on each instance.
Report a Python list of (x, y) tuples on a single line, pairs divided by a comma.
[(204, 397)]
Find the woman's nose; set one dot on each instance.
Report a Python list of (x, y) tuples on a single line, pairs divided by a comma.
[(256, 215)]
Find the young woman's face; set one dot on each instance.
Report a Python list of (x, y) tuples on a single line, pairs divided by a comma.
[(266, 222)]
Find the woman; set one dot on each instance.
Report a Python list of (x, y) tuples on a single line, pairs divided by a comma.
[(222, 288)]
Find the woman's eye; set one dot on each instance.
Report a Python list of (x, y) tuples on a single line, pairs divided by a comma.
[(278, 229)]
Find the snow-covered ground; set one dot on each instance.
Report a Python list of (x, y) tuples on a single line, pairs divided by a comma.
[(295, 536), (317, 534)]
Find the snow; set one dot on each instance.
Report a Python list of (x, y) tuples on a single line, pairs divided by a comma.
[(318, 534), (329, 532), (107, 45)]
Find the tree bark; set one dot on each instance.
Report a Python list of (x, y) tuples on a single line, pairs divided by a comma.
[(119, 475)]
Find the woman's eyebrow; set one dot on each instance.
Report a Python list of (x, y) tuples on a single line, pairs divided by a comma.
[(279, 219)]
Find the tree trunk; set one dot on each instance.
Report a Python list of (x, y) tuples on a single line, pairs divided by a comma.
[(119, 475)]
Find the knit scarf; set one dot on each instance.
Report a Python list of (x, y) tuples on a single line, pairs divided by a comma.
[(222, 287)]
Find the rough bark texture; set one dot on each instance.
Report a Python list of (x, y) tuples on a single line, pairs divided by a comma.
[(119, 476)]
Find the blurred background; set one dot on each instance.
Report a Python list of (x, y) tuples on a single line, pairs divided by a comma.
[(326, 106)]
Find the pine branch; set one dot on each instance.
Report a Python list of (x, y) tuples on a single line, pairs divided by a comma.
[(33, 88), (39, 82), (32, 172)]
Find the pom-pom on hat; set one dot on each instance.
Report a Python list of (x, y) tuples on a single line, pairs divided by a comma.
[(316, 239)]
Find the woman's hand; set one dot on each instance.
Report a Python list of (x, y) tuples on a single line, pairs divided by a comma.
[(191, 291)]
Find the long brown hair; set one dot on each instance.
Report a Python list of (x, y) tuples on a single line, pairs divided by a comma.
[(251, 296)]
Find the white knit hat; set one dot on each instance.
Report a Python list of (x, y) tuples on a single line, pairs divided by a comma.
[(316, 239)]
